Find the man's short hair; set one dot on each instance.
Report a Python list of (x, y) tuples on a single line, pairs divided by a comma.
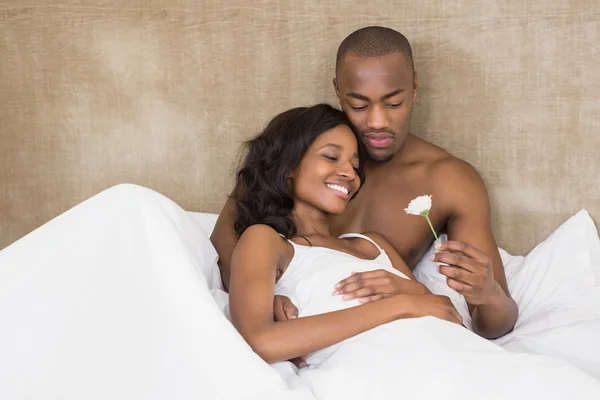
[(374, 41)]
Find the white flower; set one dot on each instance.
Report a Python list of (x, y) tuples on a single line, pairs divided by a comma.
[(419, 206)]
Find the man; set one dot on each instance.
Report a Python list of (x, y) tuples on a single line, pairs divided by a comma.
[(376, 85)]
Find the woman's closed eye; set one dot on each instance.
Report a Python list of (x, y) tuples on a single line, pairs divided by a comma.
[(331, 158)]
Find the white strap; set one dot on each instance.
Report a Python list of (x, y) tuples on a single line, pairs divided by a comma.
[(360, 235)]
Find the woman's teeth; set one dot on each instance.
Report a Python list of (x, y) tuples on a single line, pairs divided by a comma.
[(338, 188)]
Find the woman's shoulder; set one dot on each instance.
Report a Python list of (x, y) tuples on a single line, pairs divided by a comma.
[(263, 235), (261, 231), (263, 246)]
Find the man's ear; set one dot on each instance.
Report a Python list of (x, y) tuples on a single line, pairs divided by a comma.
[(337, 89), (415, 85)]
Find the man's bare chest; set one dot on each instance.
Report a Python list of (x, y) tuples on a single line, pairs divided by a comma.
[(381, 210)]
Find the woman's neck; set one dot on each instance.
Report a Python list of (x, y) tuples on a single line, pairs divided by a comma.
[(310, 221)]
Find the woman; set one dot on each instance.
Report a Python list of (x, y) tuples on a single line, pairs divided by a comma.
[(306, 165)]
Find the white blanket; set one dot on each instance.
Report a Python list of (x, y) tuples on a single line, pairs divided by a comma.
[(110, 300), (427, 358)]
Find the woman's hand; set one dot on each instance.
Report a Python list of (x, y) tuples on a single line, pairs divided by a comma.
[(376, 285), (431, 305), (411, 294)]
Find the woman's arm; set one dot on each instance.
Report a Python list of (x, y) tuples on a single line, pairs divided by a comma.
[(254, 263)]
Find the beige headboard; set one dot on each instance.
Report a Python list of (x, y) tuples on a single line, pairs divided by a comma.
[(162, 92)]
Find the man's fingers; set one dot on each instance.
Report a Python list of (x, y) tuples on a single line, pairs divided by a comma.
[(291, 311), (457, 259), (299, 362), (283, 308), (458, 274), (457, 286), (278, 310), (462, 247)]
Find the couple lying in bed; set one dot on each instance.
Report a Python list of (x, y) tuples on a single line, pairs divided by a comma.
[(299, 174), (317, 252), (304, 168), (376, 85), (114, 293)]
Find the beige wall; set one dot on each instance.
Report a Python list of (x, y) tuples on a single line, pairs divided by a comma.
[(161, 93)]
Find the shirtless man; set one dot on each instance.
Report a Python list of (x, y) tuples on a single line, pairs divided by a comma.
[(376, 85)]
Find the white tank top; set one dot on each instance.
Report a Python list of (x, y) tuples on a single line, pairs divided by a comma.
[(313, 272), (310, 278)]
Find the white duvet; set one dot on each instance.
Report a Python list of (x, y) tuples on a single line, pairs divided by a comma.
[(116, 299)]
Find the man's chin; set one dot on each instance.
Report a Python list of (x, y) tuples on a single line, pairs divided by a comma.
[(380, 158)]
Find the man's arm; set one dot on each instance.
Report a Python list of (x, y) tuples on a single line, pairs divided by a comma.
[(224, 238), (474, 268)]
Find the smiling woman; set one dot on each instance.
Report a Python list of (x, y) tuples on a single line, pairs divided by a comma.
[(274, 160)]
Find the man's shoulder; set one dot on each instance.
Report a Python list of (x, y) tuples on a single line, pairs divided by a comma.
[(420, 151), (458, 183), (452, 168), (438, 162)]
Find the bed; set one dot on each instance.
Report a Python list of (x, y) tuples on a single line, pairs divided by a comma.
[(129, 304), (162, 94)]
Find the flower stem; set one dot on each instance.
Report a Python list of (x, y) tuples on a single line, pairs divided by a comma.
[(431, 226)]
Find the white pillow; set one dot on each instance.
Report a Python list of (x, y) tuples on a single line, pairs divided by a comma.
[(207, 222), (553, 285)]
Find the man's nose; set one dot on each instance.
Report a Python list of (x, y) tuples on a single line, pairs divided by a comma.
[(377, 118)]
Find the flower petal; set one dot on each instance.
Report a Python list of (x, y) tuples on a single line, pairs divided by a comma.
[(419, 206)]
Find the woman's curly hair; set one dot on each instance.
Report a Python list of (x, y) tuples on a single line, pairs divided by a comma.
[(262, 194)]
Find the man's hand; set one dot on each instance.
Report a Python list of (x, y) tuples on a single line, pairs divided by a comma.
[(284, 310), (468, 271), (376, 285)]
